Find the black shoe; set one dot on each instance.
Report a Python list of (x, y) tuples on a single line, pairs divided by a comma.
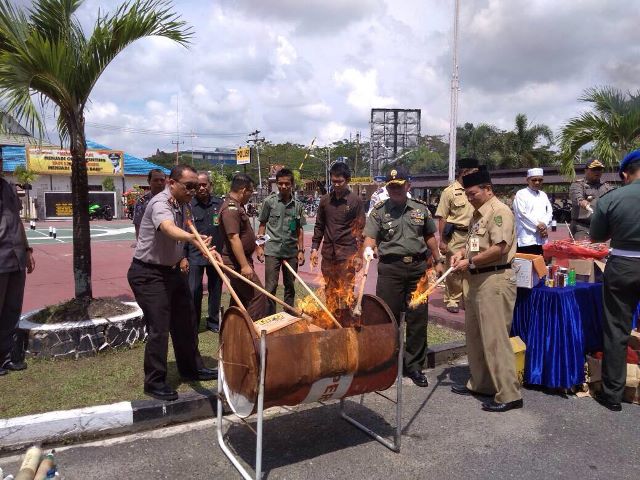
[(15, 366), (3, 371), (493, 406), (213, 327), (203, 375), (419, 378), (463, 390), (455, 309), (613, 406), (163, 393)]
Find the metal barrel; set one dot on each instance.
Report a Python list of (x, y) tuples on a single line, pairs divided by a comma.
[(306, 365)]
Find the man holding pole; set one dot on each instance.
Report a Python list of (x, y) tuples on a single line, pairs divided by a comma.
[(403, 232), (161, 289), (282, 219), (239, 243)]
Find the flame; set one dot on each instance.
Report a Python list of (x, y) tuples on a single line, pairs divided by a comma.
[(318, 316), (424, 288)]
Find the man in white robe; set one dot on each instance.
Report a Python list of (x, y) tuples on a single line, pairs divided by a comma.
[(533, 214)]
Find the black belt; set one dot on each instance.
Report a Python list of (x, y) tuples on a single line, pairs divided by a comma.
[(461, 229), (404, 259), (494, 268), (583, 221), (155, 266)]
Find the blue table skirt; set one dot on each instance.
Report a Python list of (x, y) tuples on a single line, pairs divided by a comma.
[(559, 326)]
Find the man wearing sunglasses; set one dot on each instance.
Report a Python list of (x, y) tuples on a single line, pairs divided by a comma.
[(161, 289), (533, 214), (584, 194)]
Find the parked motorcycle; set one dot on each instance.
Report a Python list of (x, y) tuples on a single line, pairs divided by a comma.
[(100, 212)]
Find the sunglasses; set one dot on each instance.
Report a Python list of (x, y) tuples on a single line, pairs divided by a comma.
[(192, 186)]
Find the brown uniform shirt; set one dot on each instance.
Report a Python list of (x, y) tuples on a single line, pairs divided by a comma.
[(234, 219), (491, 224), (456, 209), (339, 224)]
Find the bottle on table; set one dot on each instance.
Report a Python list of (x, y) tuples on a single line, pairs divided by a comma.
[(572, 277)]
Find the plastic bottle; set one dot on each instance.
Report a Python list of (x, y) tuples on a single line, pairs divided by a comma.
[(572, 277), (30, 464), (47, 464), (51, 473)]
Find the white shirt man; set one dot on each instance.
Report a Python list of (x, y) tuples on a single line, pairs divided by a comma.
[(380, 195), (533, 214)]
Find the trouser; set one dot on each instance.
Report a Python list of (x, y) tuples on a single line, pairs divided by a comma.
[(164, 297), (11, 296), (272, 267), (339, 278), (254, 301), (621, 292), (396, 281), (214, 286), (489, 301), (453, 283), (530, 249), (580, 230)]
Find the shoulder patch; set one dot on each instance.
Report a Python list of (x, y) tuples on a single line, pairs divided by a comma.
[(380, 204), (498, 220), (422, 202)]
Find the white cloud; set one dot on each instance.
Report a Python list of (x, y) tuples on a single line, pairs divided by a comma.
[(363, 88)]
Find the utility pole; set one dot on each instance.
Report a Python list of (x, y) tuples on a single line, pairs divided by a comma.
[(177, 143), (355, 163), (256, 141), (455, 86)]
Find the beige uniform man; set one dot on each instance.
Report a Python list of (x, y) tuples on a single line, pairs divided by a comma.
[(454, 214), (490, 294)]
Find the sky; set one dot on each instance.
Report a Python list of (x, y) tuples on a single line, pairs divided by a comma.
[(297, 69)]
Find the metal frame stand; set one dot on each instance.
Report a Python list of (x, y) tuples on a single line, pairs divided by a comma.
[(395, 445)]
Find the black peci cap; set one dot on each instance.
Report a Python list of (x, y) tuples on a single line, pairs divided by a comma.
[(476, 178), (468, 162)]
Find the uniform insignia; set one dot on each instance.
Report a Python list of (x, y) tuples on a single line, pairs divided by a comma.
[(387, 215), (419, 201), (374, 214), (379, 204), (498, 220), (393, 173)]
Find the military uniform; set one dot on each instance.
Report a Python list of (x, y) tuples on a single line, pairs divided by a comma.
[(581, 217), (617, 217), (234, 219), (490, 295), (283, 223), (456, 210), (399, 232)]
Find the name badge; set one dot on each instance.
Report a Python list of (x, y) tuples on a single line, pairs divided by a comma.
[(474, 244)]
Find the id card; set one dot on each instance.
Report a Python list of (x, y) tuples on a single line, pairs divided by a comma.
[(474, 244)]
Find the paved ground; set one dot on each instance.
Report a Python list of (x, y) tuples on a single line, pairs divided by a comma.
[(445, 436)]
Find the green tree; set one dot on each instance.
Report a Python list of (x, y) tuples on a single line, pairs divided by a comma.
[(220, 185), (108, 185), (524, 146), (612, 127), (26, 178), (45, 56)]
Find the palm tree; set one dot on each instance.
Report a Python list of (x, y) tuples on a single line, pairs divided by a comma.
[(522, 146), (613, 126), (26, 178), (46, 57)]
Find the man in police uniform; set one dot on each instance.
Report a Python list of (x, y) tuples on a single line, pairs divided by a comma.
[(403, 232), (454, 214), (282, 219), (205, 209), (239, 244), (161, 289), (490, 294), (156, 180), (584, 194), (617, 217)]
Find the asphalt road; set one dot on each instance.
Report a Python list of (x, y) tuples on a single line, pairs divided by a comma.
[(445, 437)]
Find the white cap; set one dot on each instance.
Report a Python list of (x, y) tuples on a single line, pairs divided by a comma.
[(535, 172)]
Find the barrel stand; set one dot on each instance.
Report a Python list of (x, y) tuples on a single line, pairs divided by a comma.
[(257, 474)]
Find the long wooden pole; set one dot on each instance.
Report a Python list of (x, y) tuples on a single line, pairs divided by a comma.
[(357, 311), (224, 278), (313, 295)]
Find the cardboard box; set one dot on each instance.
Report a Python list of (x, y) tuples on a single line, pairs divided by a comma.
[(630, 394), (519, 350), (634, 340), (593, 372), (589, 270), (529, 269)]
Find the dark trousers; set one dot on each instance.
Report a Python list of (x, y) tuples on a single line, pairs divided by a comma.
[(165, 300), (621, 292), (396, 281), (214, 286), (272, 267), (530, 249), (254, 301), (11, 295)]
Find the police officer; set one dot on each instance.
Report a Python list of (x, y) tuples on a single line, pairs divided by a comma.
[(282, 219), (156, 180), (205, 209), (239, 243), (161, 289), (584, 194), (454, 214), (403, 232), (617, 217), (490, 293)]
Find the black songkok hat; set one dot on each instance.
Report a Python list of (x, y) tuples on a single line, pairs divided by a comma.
[(468, 162), (476, 178)]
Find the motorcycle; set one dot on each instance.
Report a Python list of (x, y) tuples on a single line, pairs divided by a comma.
[(100, 212)]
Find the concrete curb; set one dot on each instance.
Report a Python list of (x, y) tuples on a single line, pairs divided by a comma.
[(139, 415)]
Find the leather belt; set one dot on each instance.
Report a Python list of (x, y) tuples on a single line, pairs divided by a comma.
[(493, 268), (461, 229), (155, 266), (404, 259)]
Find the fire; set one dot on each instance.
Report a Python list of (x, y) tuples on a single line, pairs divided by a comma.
[(318, 316), (424, 288)]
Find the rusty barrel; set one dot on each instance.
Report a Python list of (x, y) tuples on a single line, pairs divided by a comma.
[(307, 366)]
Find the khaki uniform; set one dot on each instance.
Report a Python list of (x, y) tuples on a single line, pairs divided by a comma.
[(490, 297), (455, 209), (581, 217)]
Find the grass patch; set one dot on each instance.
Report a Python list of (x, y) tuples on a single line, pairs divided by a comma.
[(115, 376)]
